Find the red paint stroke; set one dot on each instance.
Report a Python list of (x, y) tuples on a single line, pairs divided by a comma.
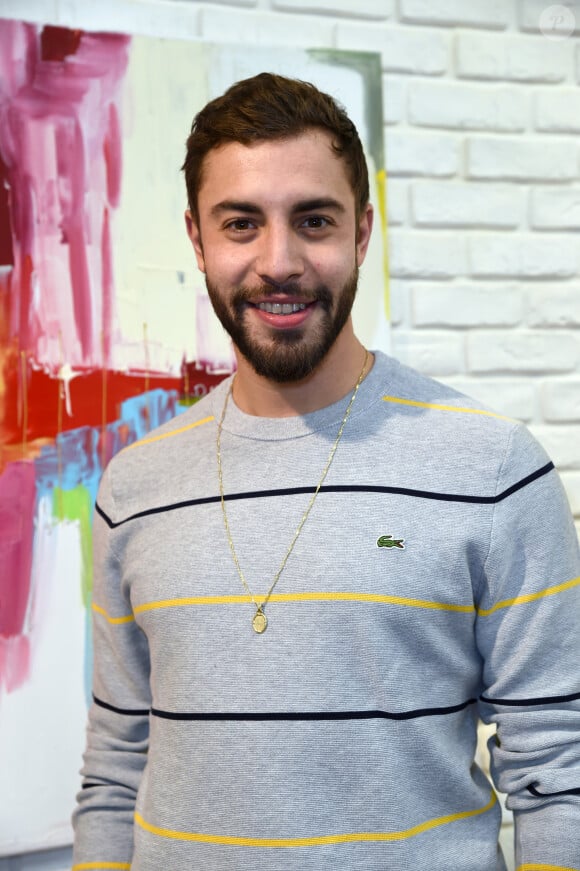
[(86, 398), (56, 43), (17, 500), (6, 249)]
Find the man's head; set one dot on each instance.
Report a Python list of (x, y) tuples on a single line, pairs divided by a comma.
[(280, 222), (271, 107)]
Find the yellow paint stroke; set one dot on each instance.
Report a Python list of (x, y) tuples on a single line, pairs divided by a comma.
[(322, 841), (168, 435), (373, 598), (456, 408), (383, 214), (113, 620), (530, 597)]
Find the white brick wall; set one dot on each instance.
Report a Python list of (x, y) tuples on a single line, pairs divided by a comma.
[(463, 304), (561, 399), (412, 50), (531, 10), (437, 204), (557, 112), (467, 107), (512, 58), (555, 208), (379, 9), (478, 13), (416, 154), (529, 158), (495, 255)]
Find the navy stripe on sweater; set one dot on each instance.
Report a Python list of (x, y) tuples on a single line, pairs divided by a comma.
[(333, 715), (529, 703), (291, 715), (538, 794), (335, 488)]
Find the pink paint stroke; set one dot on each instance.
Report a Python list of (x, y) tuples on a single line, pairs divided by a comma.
[(60, 141), (17, 501)]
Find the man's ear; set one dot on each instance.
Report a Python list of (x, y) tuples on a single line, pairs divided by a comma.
[(365, 226), (194, 234)]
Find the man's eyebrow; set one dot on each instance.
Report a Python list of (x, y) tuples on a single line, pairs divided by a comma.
[(235, 206), (247, 208), (319, 203)]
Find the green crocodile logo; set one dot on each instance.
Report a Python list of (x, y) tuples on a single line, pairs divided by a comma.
[(389, 541)]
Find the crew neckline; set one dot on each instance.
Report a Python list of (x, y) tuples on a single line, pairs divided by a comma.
[(239, 423)]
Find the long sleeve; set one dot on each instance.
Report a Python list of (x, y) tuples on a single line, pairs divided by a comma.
[(118, 723), (528, 631)]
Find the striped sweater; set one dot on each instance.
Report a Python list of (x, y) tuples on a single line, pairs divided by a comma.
[(435, 581)]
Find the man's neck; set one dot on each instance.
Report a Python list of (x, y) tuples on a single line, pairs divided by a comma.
[(333, 379)]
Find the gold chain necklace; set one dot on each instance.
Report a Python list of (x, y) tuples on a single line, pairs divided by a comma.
[(259, 621)]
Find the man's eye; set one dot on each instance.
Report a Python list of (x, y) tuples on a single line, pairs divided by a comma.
[(315, 222), (240, 225)]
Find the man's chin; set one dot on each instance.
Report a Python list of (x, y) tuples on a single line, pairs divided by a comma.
[(287, 359)]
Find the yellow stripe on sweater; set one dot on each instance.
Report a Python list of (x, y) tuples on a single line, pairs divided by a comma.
[(114, 620), (400, 401), (167, 435), (322, 841), (374, 598), (534, 866), (530, 597), (83, 865)]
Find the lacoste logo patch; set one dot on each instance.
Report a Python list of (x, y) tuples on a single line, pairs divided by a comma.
[(389, 541)]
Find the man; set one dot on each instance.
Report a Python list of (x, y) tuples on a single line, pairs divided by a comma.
[(310, 585)]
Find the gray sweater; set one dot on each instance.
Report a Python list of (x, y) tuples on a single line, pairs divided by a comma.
[(437, 579)]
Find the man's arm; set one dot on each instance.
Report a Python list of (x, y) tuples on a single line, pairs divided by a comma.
[(118, 724), (528, 631)]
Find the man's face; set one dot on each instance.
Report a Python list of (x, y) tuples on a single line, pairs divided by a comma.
[(280, 247)]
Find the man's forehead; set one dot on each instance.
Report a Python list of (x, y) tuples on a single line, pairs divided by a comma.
[(305, 167)]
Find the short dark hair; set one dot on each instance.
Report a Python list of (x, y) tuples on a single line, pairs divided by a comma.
[(266, 107)]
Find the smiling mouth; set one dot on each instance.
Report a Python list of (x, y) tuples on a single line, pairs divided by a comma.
[(281, 308)]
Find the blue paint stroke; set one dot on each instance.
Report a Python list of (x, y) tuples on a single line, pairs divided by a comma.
[(75, 459)]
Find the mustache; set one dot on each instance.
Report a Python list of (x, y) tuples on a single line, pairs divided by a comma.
[(320, 294)]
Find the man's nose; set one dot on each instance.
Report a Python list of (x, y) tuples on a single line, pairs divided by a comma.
[(280, 257)]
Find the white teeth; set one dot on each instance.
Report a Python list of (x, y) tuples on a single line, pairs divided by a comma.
[(281, 308)]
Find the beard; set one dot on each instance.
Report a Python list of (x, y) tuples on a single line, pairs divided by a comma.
[(289, 355)]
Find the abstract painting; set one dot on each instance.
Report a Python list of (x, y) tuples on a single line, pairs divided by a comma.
[(105, 332)]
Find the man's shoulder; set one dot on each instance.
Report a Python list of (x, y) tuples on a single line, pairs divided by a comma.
[(164, 465), (447, 426), (421, 396)]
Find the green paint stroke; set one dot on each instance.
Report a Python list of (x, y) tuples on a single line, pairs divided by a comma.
[(76, 505)]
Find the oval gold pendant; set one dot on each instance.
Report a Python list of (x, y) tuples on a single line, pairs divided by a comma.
[(259, 622)]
